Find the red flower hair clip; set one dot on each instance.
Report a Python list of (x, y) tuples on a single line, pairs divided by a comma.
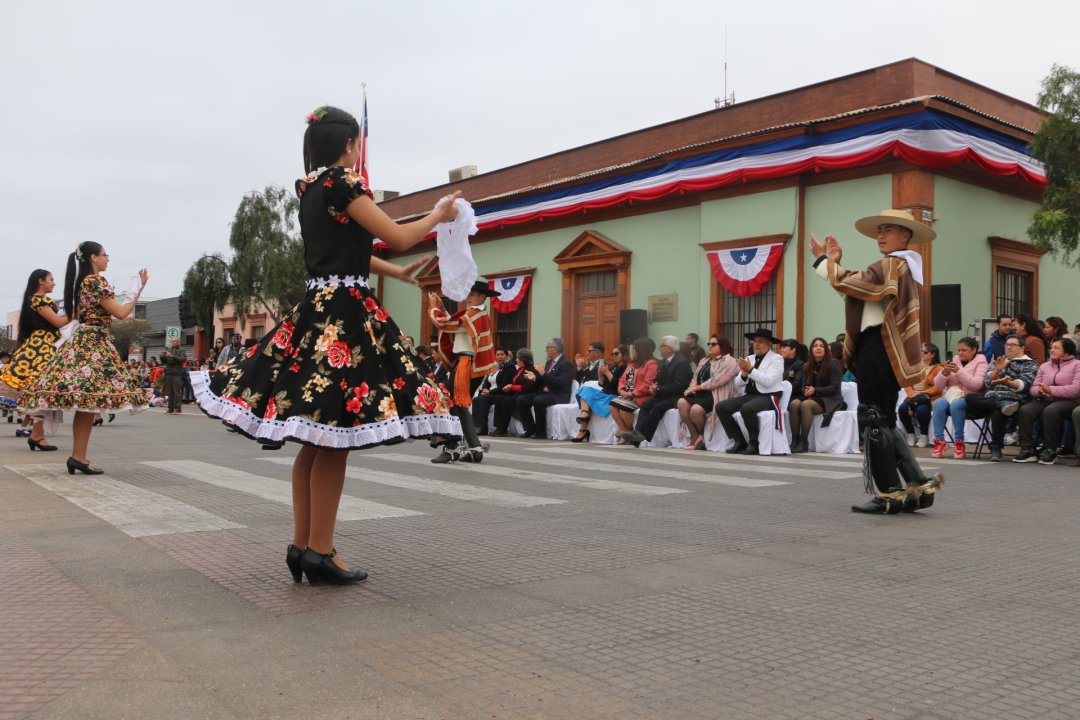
[(316, 116)]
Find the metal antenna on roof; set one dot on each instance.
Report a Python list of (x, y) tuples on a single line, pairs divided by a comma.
[(727, 100)]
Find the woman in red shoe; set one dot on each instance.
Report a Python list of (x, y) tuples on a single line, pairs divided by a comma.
[(958, 377)]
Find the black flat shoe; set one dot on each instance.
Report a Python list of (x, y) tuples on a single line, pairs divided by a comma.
[(749, 450), (737, 449), (292, 559), (321, 569), (39, 445), (83, 467)]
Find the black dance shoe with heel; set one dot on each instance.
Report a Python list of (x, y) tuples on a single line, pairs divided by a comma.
[(321, 569), (292, 559), (582, 436), (83, 467), (39, 445)]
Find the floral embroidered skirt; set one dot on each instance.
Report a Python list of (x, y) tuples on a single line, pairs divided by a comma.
[(30, 358), (336, 373), (86, 373)]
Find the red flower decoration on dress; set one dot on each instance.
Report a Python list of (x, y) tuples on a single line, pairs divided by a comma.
[(283, 336), (271, 409), (342, 218), (294, 368), (344, 385), (362, 391), (236, 399), (381, 315), (398, 383), (355, 293), (354, 406), (252, 350), (426, 397), (338, 354), (369, 304), (328, 182)]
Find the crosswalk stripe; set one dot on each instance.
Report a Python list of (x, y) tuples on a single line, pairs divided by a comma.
[(280, 491), (131, 510), (766, 464), (714, 477), (459, 491), (519, 474)]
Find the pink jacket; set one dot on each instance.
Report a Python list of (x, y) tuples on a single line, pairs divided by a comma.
[(969, 377), (644, 377), (1061, 376)]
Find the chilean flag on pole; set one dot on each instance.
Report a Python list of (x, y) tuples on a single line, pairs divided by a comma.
[(744, 271), (361, 162), (511, 292)]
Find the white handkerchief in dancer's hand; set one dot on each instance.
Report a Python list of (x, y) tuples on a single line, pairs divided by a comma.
[(456, 265)]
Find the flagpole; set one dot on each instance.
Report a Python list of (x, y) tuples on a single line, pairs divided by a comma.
[(363, 133)]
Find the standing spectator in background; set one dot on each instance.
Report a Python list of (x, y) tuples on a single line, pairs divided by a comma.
[(219, 345), (1030, 329), (230, 351), (995, 344), (425, 355), (695, 352), (175, 358)]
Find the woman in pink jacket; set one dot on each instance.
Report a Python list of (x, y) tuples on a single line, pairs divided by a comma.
[(961, 375), (714, 381), (1056, 391), (635, 385)]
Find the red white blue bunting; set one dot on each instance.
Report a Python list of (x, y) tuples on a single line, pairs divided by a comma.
[(928, 139), (511, 292), (744, 271)]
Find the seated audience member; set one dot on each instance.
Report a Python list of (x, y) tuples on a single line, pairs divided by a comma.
[(1030, 329), (503, 374), (1075, 462), (837, 349), (1055, 393), (554, 379), (915, 409), (1007, 382), (714, 381), (1054, 328), (694, 352), (596, 400), (586, 368), (995, 344), (760, 374), (505, 396), (635, 387), (424, 352), (820, 394), (672, 378), (793, 366), (962, 375)]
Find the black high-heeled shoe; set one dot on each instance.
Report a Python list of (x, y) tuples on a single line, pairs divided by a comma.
[(39, 445), (83, 467), (581, 438), (98, 421), (320, 568), (292, 559)]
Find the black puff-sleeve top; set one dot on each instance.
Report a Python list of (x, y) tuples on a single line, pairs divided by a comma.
[(334, 243)]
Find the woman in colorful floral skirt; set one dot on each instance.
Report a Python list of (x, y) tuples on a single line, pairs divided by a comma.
[(38, 333), (86, 374), (337, 374)]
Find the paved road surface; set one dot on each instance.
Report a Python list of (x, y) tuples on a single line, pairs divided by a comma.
[(552, 581)]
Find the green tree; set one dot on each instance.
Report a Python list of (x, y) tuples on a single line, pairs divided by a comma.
[(1056, 226), (266, 267), (125, 331)]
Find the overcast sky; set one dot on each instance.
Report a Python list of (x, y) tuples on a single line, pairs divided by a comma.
[(141, 125)]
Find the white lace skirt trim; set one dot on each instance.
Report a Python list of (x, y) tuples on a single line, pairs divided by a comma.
[(347, 281), (313, 433)]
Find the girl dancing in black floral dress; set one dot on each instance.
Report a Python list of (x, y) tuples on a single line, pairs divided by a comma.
[(337, 374)]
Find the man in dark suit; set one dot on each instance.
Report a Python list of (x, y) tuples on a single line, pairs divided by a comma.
[(481, 404), (588, 367), (672, 379), (555, 380)]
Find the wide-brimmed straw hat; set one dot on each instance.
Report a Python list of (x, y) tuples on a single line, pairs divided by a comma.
[(762, 332), (920, 233)]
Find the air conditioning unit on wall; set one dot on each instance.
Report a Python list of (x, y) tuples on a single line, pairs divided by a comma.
[(463, 172)]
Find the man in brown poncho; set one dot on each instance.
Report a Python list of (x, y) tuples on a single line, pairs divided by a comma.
[(882, 348)]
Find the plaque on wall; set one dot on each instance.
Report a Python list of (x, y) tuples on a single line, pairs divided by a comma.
[(664, 308)]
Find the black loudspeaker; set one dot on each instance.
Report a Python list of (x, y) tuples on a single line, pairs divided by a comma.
[(633, 324), (945, 308)]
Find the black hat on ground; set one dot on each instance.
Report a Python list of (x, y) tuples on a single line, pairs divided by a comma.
[(762, 333)]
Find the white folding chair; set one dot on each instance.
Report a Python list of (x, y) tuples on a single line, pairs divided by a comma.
[(773, 440), (842, 435)]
